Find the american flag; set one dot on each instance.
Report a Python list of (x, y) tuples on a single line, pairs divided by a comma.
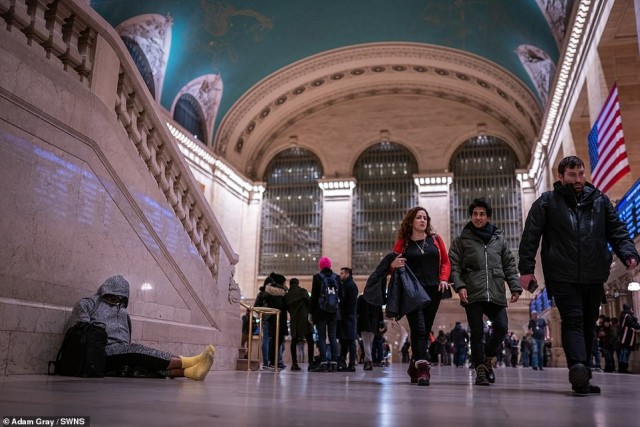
[(607, 152)]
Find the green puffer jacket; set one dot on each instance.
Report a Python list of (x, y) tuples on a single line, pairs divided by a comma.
[(483, 269)]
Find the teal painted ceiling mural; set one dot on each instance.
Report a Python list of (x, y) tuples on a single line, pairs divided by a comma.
[(246, 40)]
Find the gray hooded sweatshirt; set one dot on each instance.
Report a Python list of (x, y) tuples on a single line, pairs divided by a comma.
[(113, 317)]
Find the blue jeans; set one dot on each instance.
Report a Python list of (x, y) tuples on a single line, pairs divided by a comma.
[(625, 352), (538, 352), (265, 344), (526, 357), (324, 327)]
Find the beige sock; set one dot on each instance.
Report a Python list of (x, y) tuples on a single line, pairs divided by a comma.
[(189, 361), (212, 350), (200, 371)]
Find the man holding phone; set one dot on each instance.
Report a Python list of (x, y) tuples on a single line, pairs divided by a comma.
[(481, 262), (576, 222)]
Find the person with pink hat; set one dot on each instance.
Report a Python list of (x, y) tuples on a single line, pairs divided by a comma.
[(325, 313)]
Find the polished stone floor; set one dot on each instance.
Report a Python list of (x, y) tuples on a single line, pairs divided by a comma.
[(383, 397)]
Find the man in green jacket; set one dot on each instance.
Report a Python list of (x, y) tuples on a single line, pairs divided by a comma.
[(480, 264)]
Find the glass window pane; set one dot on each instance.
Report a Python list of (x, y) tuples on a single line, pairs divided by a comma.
[(384, 191), (291, 233), (486, 167), (188, 114), (140, 59)]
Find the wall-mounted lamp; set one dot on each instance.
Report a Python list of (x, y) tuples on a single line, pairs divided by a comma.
[(633, 286)]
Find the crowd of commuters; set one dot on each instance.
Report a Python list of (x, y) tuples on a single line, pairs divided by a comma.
[(574, 224)]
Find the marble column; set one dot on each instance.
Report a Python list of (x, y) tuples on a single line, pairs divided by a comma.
[(337, 213)]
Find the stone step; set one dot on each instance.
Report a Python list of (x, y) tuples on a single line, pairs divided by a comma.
[(241, 365), (242, 353)]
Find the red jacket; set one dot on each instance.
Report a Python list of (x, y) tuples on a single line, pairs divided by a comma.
[(445, 265)]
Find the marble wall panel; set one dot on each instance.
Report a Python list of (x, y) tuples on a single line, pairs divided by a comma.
[(79, 205), (4, 350), (32, 317), (30, 353)]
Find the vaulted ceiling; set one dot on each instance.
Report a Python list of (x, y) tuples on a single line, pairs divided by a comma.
[(285, 61)]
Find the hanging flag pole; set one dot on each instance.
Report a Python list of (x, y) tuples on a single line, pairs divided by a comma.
[(607, 152)]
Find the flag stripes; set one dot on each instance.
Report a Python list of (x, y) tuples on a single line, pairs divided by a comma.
[(607, 151)]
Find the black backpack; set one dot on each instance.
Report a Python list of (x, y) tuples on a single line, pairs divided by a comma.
[(82, 353), (329, 299)]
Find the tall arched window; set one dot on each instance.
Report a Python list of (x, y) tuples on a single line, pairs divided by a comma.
[(141, 62), (485, 166), (384, 191), (189, 115), (291, 232)]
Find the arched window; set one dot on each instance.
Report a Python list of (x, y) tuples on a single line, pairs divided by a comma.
[(189, 115), (385, 191), (485, 166), (291, 230), (141, 62)]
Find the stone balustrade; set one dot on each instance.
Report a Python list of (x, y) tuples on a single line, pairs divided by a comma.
[(68, 35)]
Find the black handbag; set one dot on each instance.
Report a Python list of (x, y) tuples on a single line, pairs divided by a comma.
[(406, 294)]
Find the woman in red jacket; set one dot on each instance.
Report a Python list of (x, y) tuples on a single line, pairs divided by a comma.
[(423, 251)]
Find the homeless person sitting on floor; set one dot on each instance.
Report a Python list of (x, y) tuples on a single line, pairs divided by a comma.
[(108, 307)]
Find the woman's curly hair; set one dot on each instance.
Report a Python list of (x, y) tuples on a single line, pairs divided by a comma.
[(406, 227)]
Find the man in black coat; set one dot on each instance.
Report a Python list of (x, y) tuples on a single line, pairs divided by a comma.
[(347, 323), (576, 222), (326, 322), (369, 317)]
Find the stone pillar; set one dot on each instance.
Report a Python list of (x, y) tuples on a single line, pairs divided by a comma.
[(337, 213), (249, 246), (636, 9), (434, 197)]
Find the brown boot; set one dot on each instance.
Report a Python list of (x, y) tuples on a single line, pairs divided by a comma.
[(424, 372), (488, 363)]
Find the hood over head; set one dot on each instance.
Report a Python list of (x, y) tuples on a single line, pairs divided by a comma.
[(116, 285)]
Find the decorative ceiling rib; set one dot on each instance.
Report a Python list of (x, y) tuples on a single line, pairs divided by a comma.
[(325, 80)]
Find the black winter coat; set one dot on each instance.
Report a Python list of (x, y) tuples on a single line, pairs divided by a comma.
[(369, 316), (316, 289), (574, 236), (348, 303), (375, 291)]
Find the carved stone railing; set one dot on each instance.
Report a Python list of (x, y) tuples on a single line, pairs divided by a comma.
[(64, 33), (68, 31)]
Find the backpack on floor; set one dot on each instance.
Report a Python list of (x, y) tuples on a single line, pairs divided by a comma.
[(82, 353), (329, 299)]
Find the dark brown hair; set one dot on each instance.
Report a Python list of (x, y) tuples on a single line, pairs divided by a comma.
[(570, 162), (406, 227)]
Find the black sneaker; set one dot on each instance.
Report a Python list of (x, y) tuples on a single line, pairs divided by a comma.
[(589, 389), (579, 376), (482, 375), (333, 367), (323, 367)]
